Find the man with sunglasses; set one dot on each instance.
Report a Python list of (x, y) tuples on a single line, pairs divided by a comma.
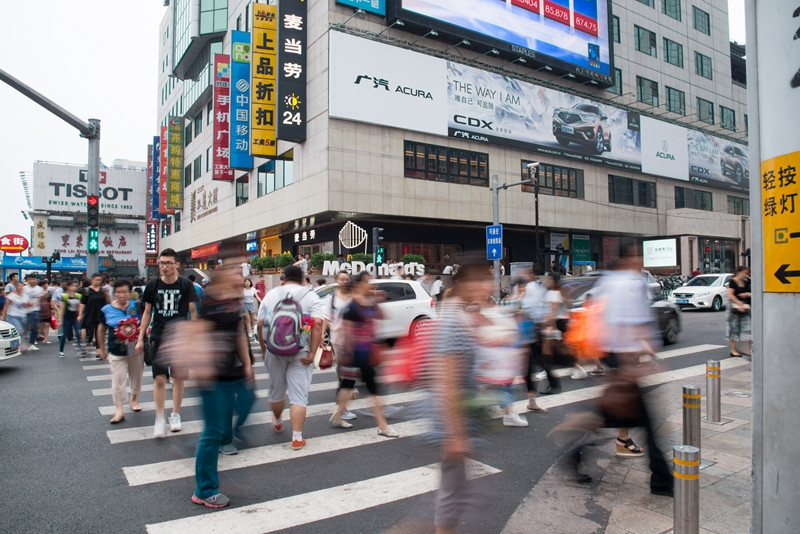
[(169, 297)]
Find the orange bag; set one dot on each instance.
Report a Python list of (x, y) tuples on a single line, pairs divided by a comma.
[(587, 328)]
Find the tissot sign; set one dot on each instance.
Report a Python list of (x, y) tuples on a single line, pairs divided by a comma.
[(63, 188)]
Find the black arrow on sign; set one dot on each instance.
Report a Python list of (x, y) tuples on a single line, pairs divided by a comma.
[(783, 274)]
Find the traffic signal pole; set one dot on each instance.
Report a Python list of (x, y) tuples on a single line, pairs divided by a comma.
[(89, 130)]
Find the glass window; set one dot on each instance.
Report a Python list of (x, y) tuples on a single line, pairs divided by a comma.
[(702, 20), (632, 192), (650, 3), (617, 88), (242, 191), (208, 159), (275, 174), (187, 135), (676, 101), (702, 65), (198, 123), (673, 52), (705, 110), (437, 163), (746, 123), (198, 167), (645, 41), (738, 205), (555, 180), (646, 91), (615, 29), (727, 118), (187, 175), (177, 219), (693, 198), (671, 8), (209, 112)]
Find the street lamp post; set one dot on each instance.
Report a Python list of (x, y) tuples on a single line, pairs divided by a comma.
[(496, 214), (533, 168)]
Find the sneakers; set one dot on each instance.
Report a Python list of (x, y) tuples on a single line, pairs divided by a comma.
[(215, 501), (540, 376), (599, 371), (160, 429), (228, 449), (60, 354), (277, 425), (628, 448), (175, 422), (512, 419), (339, 424), (34, 348), (347, 415), (579, 375), (298, 444)]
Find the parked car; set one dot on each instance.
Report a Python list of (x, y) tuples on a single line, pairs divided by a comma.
[(668, 314), (584, 124), (405, 306), (734, 161), (653, 285), (9, 341), (706, 291)]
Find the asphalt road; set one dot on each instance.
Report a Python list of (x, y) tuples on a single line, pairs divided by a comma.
[(65, 469)]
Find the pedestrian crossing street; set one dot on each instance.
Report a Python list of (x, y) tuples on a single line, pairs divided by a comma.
[(173, 467)]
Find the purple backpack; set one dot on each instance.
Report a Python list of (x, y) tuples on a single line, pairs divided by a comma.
[(285, 337)]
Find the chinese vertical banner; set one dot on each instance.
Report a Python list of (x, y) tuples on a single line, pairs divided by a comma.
[(263, 83), (149, 188), (151, 238), (240, 101), (155, 186), (222, 121), (292, 45), (163, 211), (175, 164)]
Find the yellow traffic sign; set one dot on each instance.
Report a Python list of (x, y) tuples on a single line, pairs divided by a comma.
[(780, 213)]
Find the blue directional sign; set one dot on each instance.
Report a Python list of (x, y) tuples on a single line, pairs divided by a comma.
[(494, 242)]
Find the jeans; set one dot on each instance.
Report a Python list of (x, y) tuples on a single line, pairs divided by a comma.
[(33, 325), (242, 404), (218, 400), (69, 326)]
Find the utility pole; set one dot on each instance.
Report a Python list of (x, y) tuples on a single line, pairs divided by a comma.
[(89, 130)]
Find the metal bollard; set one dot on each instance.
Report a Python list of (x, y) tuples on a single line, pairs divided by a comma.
[(712, 391), (691, 416), (686, 503)]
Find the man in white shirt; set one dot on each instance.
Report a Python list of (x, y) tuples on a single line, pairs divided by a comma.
[(34, 292), (290, 376)]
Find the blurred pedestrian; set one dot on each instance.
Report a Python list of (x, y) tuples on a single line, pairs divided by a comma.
[(226, 373), (69, 326), (168, 298), (16, 312), (93, 298), (117, 334), (261, 287), (290, 373), (34, 293), (45, 311), (738, 325), (534, 304), (250, 302), (335, 306), (362, 352)]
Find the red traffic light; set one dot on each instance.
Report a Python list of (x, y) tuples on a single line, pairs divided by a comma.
[(93, 200)]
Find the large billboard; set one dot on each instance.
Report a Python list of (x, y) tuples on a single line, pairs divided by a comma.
[(264, 80), (660, 253), (571, 35), (389, 86)]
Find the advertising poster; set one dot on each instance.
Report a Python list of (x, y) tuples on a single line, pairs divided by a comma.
[(718, 162), (664, 149), (240, 102), (163, 210), (540, 29), (263, 82), (373, 6), (581, 250), (222, 123), (559, 242), (175, 164), (292, 77), (660, 253), (491, 108), (151, 238)]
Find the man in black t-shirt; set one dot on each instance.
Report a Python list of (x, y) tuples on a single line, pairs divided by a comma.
[(167, 298), (92, 301)]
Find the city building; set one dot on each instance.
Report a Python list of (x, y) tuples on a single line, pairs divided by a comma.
[(630, 107), (59, 206)]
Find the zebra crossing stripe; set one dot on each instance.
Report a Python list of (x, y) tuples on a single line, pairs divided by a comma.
[(174, 469), (140, 433), (297, 510), (97, 378), (197, 401)]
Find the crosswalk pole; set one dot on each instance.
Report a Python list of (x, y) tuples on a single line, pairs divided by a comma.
[(691, 416), (686, 503), (713, 374)]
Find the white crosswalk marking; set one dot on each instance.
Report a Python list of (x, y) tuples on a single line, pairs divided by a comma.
[(345, 439), (289, 512)]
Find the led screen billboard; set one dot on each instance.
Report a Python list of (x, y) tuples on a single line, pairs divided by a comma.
[(660, 253), (571, 35)]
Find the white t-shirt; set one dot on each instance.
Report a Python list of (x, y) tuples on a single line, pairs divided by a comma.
[(534, 302), (448, 269), (436, 288), (34, 294), (17, 308), (309, 302), (555, 297), (249, 295), (334, 309), (245, 269)]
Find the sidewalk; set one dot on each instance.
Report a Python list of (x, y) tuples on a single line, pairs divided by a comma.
[(618, 500)]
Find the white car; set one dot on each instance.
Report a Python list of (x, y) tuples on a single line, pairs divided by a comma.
[(706, 291), (9, 341), (407, 304)]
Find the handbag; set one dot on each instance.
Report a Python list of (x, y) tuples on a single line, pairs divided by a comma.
[(621, 400), (53, 321), (323, 358)]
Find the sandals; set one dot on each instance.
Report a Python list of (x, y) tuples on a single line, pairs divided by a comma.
[(628, 448), (388, 433), (535, 408), (136, 407), (339, 423)]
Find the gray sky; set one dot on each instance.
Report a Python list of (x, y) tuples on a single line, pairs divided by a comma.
[(98, 59)]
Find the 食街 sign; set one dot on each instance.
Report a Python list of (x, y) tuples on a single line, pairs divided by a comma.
[(222, 112), (781, 219), (240, 101), (292, 70), (263, 83), (13, 243), (175, 164)]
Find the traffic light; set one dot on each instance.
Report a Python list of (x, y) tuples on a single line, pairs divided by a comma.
[(380, 251), (93, 243), (380, 255), (92, 211)]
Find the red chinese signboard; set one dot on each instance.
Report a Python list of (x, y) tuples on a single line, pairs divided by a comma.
[(162, 179), (222, 120), (205, 250), (13, 243)]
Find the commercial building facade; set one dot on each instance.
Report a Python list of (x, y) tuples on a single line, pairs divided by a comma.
[(406, 124)]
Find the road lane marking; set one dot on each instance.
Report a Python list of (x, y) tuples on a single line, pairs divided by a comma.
[(297, 510)]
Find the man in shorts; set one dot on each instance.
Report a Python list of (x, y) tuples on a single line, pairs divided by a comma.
[(290, 376), (167, 298)]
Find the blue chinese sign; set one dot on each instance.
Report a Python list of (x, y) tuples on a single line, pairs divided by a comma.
[(240, 101), (35, 263), (494, 242), (373, 6)]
